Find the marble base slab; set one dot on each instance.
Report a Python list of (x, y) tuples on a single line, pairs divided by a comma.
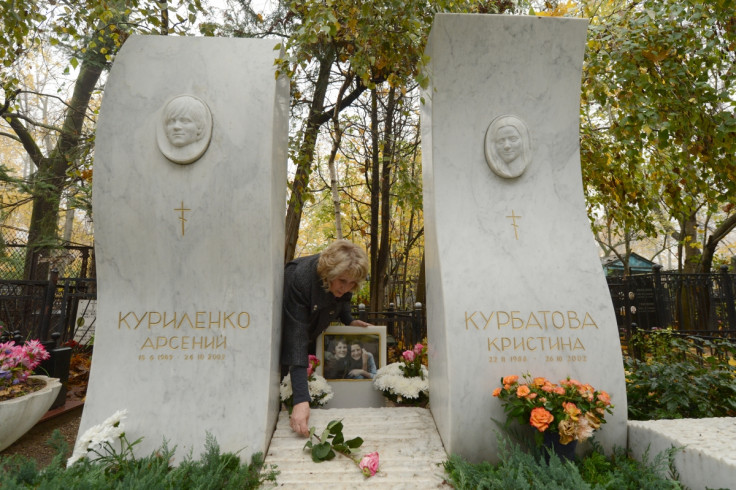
[(410, 451), (706, 456)]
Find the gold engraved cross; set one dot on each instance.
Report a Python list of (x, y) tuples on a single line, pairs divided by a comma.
[(182, 218), (513, 223)]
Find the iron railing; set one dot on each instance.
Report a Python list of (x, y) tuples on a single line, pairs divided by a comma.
[(701, 303), (693, 304), (404, 328)]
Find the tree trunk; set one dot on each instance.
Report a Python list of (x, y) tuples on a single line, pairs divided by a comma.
[(726, 226), (375, 187), (694, 298), (379, 274), (421, 285), (50, 176), (334, 185), (693, 255), (305, 157), (300, 185)]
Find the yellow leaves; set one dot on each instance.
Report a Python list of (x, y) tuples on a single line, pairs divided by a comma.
[(380, 63), (655, 55), (353, 25), (560, 10), (86, 174)]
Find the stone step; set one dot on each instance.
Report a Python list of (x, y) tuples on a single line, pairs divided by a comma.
[(411, 454)]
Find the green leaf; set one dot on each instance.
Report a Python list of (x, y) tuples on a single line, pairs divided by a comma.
[(320, 452), (354, 443), (335, 426)]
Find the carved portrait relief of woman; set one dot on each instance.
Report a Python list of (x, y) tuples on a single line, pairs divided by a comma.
[(508, 146), (185, 129)]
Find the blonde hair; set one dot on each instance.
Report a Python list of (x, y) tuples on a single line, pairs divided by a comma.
[(343, 257)]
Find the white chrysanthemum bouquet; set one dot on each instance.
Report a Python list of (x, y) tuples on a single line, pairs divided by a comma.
[(99, 441), (405, 382), (319, 390)]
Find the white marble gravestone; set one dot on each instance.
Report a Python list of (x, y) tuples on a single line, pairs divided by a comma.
[(514, 283), (189, 192)]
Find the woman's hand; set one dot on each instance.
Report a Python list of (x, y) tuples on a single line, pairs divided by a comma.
[(360, 323), (299, 419)]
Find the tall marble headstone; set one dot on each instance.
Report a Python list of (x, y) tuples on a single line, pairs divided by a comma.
[(514, 283), (189, 192)]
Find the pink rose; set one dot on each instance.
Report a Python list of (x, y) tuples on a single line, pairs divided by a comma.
[(418, 349), (313, 363), (369, 464), (409, 355)]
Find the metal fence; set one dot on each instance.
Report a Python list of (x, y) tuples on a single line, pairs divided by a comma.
[(69, 261), (693, 304), (686, 302), (404, 328), (39, 309), (67, 306)]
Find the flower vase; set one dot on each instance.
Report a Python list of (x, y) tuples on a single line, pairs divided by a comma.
[(19, 415), (551, 443)]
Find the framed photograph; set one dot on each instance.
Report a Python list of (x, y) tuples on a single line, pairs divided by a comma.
[(350, 353)]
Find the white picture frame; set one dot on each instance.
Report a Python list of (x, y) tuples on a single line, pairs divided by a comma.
[(352, 390)]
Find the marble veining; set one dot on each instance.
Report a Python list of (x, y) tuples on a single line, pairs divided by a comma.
[(189, 253), (514, 283)]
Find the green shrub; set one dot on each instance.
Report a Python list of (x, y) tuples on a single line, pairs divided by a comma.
[(519, 470), (214, 470), (673, 379)]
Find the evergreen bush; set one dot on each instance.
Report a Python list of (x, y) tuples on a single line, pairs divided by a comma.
[(520, 470), (213, 470)]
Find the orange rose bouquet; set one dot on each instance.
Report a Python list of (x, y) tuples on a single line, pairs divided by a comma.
[(571, 409)]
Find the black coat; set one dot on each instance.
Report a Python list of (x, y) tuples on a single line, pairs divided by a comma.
[(308, 309)]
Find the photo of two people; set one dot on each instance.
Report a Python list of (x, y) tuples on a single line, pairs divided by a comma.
[(350, 356)]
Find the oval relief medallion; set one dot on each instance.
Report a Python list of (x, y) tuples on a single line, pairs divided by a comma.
[(508, 146), (185, 129)]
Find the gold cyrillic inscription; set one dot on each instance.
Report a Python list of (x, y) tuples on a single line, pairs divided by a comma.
[(531, 344), (542, 320), (198, 320), (184, 343)]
